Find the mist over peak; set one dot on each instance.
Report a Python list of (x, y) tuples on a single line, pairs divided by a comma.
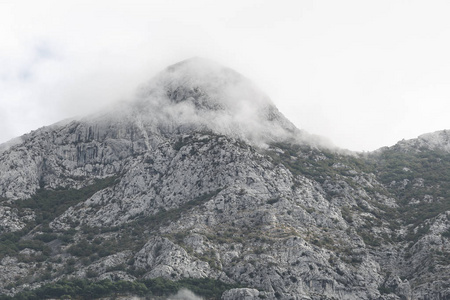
[(199, 94), (207, 83)]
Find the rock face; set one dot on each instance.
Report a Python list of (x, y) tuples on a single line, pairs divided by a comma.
[(202, 177), (241, 294), (439, 140)]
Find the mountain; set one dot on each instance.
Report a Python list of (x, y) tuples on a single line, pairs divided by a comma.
[(201, 183), (439, 141)]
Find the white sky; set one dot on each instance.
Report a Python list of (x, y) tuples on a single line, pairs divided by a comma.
[(363, 73)]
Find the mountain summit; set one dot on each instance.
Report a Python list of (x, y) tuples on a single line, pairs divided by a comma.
[(201, 183), (439, 140), (202, 95)]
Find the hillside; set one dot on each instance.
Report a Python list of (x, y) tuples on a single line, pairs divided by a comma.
[(201, 183)]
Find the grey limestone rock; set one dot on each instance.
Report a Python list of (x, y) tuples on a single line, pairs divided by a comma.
[(241, 294), (204, 178)]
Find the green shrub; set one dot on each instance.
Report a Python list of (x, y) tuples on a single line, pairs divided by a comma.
[(85, 289), (48, 204)]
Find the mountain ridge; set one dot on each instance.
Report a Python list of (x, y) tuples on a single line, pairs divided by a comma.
[(144, 196)]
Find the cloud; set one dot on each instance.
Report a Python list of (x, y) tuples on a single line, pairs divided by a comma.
[(185, 294), (351, 70), (204, 95)]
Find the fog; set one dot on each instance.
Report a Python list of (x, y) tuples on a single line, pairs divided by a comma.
[(185, 294), (364, 74), (198, 95)]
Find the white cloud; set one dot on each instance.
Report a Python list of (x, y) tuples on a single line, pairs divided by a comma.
[(184, 294), (357, 72)]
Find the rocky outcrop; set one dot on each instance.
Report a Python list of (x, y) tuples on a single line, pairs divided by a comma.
[(241, 294), (163, 258), (439, 140), (179, 184)]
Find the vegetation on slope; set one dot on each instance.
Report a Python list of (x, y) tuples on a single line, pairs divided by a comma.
[(420, 180), (47, 205), (314, 163), (159, 287), (86, 244)]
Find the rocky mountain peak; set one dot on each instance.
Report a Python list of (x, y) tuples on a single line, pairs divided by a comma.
[(202, 95), (207, 84), (439, 140), (169, 187)]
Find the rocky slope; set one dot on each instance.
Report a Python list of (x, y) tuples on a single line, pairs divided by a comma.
[(202, 178)]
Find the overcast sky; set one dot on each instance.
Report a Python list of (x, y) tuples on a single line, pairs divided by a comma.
[(365, 74)]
